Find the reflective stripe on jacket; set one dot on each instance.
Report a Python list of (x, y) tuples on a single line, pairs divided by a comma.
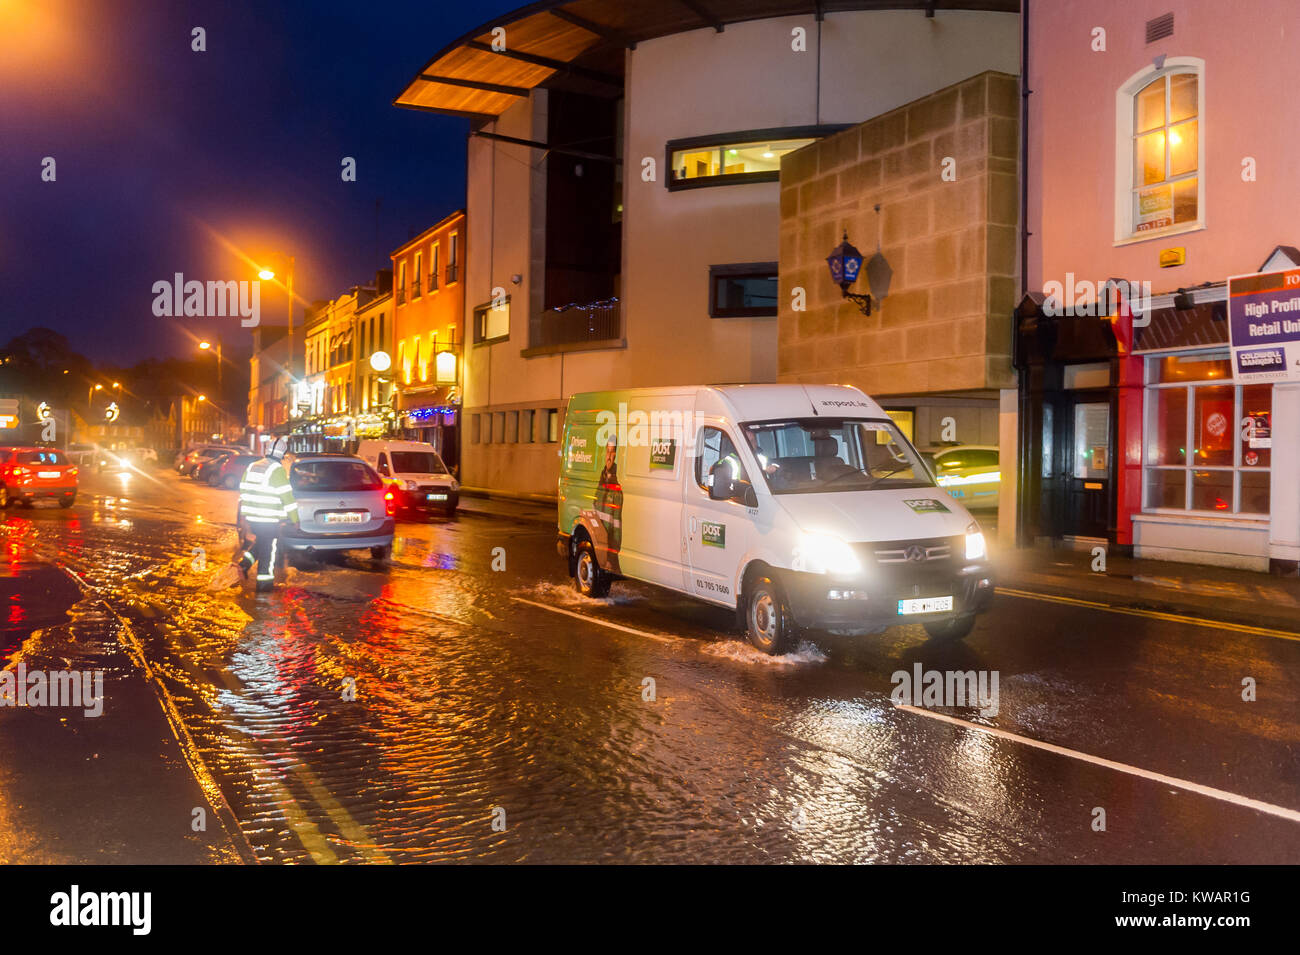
[(265, 496)]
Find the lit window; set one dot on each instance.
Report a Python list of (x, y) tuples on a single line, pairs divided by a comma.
[(1160, 124), (738, 158)]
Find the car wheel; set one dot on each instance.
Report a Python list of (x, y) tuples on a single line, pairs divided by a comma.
[(768, 622), (951, 630), (590, 579), (381, 554), (67, 501), (230, 483)]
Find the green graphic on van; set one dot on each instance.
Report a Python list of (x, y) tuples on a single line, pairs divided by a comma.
[(663, 454), (927, 505), (713, 535)]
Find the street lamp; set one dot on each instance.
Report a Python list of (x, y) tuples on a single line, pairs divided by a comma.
[(266, 274), (207, 346), (90, 394)]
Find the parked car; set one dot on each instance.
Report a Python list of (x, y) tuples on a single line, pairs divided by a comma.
[(194, 459), (228, 471), (416, 473), (82, 455), (28, 474), (969, 472), (795, 506), (343, 504), (207, 467)]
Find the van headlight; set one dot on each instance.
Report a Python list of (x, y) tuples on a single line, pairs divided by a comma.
[(976, 549), (455, 485), (824, 554)]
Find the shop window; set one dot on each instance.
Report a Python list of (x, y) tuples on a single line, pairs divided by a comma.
[(475, 424), (1160, 151), (747, 290), (526, 426), (1207, 442), (512, 427), (499, 427), (552, 425)]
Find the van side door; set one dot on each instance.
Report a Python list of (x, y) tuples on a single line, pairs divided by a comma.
[(717, 533)]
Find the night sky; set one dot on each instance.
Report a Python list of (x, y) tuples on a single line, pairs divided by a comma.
[(170, 160)]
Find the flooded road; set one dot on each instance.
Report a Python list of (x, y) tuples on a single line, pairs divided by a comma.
[(441, 708)]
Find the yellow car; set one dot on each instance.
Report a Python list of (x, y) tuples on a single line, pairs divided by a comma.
[(969, 472)]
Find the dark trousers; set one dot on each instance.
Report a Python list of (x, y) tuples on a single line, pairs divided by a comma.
[(266, 553)]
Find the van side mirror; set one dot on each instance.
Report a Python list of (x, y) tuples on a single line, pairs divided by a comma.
[(743, 492)]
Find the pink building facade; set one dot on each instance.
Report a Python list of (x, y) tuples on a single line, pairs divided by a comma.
[(1159, 160)]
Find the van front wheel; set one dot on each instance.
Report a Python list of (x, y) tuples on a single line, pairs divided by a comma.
[(768, 621), (591, 580)]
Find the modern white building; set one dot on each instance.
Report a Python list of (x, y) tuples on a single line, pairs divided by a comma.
[(623, 195)]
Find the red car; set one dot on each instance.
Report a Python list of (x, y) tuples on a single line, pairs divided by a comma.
[(28, 474)]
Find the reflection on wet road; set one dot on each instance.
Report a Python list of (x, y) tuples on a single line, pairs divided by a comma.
[(437, 709)]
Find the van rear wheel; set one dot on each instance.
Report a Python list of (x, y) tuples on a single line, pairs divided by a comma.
[(768, 621), (590, 579)]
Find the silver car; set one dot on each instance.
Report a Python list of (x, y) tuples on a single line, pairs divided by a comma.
[(343, 504)]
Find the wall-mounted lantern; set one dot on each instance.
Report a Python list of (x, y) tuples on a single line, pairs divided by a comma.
[(845, 262), (445, 367)]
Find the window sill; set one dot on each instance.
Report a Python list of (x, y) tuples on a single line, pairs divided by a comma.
[(492, 341), (1165, 234), (1162, 516)]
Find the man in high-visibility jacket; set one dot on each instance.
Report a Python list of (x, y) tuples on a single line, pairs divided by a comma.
[(266, 504)]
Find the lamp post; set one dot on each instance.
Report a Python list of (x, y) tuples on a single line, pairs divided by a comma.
[(207, 346), (845, 262), (267, 274)]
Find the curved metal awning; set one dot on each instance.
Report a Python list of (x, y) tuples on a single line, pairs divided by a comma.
[(579, 44)]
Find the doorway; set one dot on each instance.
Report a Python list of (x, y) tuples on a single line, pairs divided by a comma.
[(1077, 450)]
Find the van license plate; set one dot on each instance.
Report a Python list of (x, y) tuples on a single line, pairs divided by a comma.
[(347, 517), (435, 497), (925, 605)]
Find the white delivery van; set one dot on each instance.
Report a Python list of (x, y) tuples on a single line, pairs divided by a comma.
[(800, 506), (420, 480)]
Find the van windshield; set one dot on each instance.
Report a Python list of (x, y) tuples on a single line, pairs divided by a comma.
[(417, 462), (811, 455)]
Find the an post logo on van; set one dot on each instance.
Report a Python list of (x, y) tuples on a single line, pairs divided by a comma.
[(927, 505), (663, 454), (713, 535)]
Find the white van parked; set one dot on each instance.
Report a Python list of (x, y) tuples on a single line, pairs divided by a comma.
[(413, 469), (799, 506)]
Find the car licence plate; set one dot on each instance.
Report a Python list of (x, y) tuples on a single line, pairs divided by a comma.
[(48, 474), (925, 605), (435, 497), (347, 517)]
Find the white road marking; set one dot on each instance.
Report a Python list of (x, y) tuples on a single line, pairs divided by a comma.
[(1222, 795), (597, 621)]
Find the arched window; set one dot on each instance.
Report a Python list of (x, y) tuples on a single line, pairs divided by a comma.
[(1160, 151)]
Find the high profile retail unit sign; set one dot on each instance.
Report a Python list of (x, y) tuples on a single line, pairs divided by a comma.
[(1264, 324)]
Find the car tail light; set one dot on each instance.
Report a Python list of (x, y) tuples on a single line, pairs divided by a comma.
[(390, 503), (72, 472)]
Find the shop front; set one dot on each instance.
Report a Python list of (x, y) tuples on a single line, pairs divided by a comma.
[(1150, 436), (433, 416)]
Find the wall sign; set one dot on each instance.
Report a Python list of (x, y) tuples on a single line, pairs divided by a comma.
[(1264, 326)]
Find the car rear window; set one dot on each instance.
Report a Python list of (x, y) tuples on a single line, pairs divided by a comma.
[(334, 476), (39, 457)]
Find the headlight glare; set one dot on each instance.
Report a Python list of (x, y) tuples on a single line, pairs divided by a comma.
[(976, 549), (825, 554)]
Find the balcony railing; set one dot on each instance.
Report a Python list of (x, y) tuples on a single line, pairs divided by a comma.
[(401, 296), (576, 324), (415, 288), (451, 273), (433, 281)]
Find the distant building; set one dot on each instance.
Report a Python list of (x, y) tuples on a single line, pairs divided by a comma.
[(429, 309)]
